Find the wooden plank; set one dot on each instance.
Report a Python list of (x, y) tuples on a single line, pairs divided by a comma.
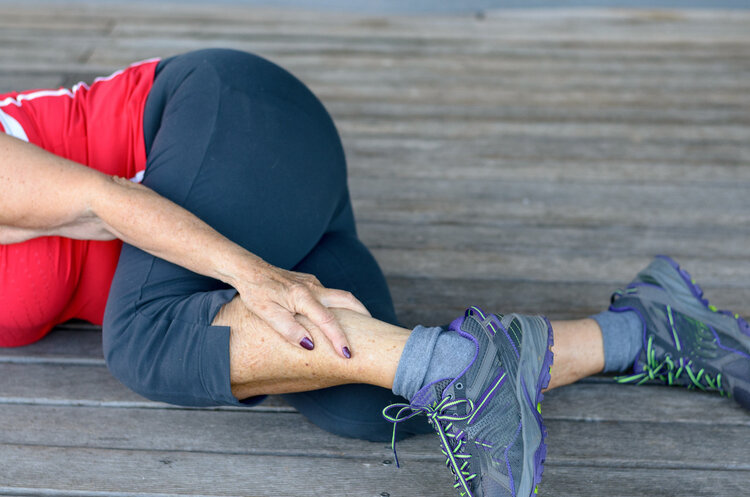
[(676, 72), (75, 471), (76, 345), (519, 112), (91, 386), (17, 82), (431, 300), (614, 240), (536, 267), (579, 149), (81, 382), (186, 473), (632, 441), (583, 23), (541, 203), (630, 482), (64, 384), (386, 158)]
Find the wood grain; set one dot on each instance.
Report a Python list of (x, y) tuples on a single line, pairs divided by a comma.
[(530, 160)]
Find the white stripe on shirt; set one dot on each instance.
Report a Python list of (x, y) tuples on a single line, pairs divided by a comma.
[(12, 127)]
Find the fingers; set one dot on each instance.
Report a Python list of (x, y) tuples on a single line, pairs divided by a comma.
[(306, 304), (343, 299), (284, 323)]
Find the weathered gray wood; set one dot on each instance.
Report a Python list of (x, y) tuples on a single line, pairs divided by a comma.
[(81, 382), (92, 386), (616, 241), (530, 161), (429, 300), (61, 345), (637, 482), (191, 473), (185, 473), (675, 444)]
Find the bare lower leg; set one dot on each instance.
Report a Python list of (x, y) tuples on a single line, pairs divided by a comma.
[(578, 349), (262, 362)]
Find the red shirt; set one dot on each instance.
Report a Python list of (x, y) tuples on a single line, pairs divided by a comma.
[(46, 281)]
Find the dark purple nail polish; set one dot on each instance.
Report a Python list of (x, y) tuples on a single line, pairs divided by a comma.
[(307, 343), (346, 352)]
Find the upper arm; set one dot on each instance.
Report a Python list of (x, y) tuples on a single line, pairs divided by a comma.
[(39, 190)]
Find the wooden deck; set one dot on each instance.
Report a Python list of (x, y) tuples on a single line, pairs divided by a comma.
[(523, 160)]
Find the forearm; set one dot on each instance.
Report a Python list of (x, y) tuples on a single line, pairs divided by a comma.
[(42, 194), (141, 217)]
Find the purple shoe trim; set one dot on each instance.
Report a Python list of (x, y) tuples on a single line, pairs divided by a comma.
[(542, 383), (491, 325), (471, 310), (456, 323), (695, 289), (723, 347)]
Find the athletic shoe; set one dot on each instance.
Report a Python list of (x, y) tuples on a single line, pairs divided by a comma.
[(686, 341), (488, 419)]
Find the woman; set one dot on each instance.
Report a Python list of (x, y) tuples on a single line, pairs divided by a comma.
[(226, 180)]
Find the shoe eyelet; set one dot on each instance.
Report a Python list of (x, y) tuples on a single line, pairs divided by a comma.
[(459, 386)]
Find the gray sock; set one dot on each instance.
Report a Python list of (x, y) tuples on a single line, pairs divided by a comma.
[(430, 354), (622, 333)]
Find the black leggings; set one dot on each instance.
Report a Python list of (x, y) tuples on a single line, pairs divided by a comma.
[(245, 146)]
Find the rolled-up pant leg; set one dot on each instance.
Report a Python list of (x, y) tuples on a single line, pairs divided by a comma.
[(246, 147)]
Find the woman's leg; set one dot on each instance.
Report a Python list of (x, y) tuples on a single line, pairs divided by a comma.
[(241, 143), (249, 149)]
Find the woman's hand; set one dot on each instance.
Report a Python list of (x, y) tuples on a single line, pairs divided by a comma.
[(276, 296)]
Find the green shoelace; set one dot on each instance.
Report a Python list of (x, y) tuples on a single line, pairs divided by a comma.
[(456, 460), (670, 372)]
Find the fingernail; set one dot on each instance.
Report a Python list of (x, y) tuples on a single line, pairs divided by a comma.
[(307, 343), (346, 352)]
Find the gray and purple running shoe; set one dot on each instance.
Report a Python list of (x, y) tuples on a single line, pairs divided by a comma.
[(488, 419), (686, 340)]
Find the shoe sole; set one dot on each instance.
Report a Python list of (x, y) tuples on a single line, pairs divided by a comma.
[(537, 374)]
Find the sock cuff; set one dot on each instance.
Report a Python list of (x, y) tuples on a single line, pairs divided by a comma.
[(622, 334), (415, 360)]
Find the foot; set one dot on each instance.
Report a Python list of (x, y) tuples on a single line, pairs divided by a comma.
[(489, 418), (686, 341)]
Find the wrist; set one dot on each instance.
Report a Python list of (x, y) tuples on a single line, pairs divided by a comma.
[(238, 267)]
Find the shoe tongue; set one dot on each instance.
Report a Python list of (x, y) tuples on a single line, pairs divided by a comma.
[(440, 387), (431, 393)]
